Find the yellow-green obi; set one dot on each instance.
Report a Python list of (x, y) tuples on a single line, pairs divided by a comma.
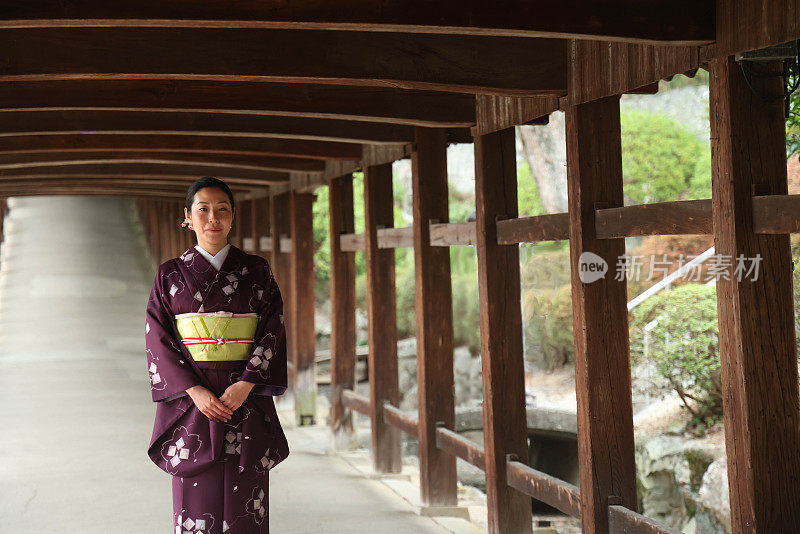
[(217, 336)]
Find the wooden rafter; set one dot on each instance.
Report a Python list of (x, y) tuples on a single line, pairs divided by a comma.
[(681, 21), (395, 106), (131, 122), (453, 63)]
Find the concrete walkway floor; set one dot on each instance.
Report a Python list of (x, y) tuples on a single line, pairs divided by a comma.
[(75, 407)]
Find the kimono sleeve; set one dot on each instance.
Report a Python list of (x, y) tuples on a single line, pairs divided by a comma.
[(170, 374), (267, 365)]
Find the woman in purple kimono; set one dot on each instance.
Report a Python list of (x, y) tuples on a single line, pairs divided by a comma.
[(216, 354)]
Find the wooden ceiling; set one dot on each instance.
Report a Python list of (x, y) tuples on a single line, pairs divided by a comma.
[(142, 97)]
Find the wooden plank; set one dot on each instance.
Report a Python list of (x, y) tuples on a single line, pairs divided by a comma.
[(452, 234), (259, 223), (683, 21), (460, 447), (561, 495), (625, 521), (232, 125), (756, 316), (395, 106), (149, 141), (246, 162), (123, 167), (600, 69), (776, 214), (434, 318), (504, 65), (381, 317), (600, 320), (355, 401), (504, 416), (343, 312), (396, 417), (551, 227), (662, 218), (743, 26), (494, 113), (302, 280)]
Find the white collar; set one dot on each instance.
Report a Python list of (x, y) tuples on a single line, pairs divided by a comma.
[(216, 260)]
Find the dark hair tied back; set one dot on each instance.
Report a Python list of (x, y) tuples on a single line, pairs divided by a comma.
[(207, 181)]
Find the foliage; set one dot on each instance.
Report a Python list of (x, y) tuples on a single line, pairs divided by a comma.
[(793, 126), (547, 307), (684, 345), (528, 199), (659, 158)]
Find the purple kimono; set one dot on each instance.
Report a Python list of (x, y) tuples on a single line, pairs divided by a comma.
[(220, 469)]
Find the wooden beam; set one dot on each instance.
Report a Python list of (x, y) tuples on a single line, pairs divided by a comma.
[(123, 167), (600, 319), (396, 417), (374, 104), (550, 227), (504, 416), (454, 443), (621, 519), (683, 21), (776, 214), (662, 218), (381, 317), (452, 63), (355, 401), (303, 335), (343, 313), (149, 141), (434, 318), (756, 316), (11, 191), (152, 178), (33, 160), (560, 495), (215, 125)]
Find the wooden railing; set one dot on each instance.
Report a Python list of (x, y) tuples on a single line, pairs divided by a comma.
[(772, 214), (557, 493)]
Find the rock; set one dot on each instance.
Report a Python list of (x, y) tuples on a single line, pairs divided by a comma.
[(714, 506)]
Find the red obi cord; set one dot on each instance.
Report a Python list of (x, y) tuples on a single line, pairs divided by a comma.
[(211, 340)]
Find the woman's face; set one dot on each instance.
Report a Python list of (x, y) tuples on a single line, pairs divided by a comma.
[(211, 216)]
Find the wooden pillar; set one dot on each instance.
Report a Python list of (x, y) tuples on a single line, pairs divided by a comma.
[(259, 223), (162, 230), (281, 267), (756, 317), (245, 226), (3, 213), (504, 413), (235, 238), (302, 276), (600, 317), (434, 317), (382, 317), (343, 311)]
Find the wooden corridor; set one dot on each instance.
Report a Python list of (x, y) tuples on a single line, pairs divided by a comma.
[(279, 99)]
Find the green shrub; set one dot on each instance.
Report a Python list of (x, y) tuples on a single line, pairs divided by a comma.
[(547, 307), (684, 346), (659, 157)]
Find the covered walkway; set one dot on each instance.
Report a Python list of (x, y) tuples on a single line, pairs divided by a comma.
[(76, 408)]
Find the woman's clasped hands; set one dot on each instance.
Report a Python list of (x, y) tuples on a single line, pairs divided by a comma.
[(220, 409)]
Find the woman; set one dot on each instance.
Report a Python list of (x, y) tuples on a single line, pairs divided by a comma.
[(216, 354)]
